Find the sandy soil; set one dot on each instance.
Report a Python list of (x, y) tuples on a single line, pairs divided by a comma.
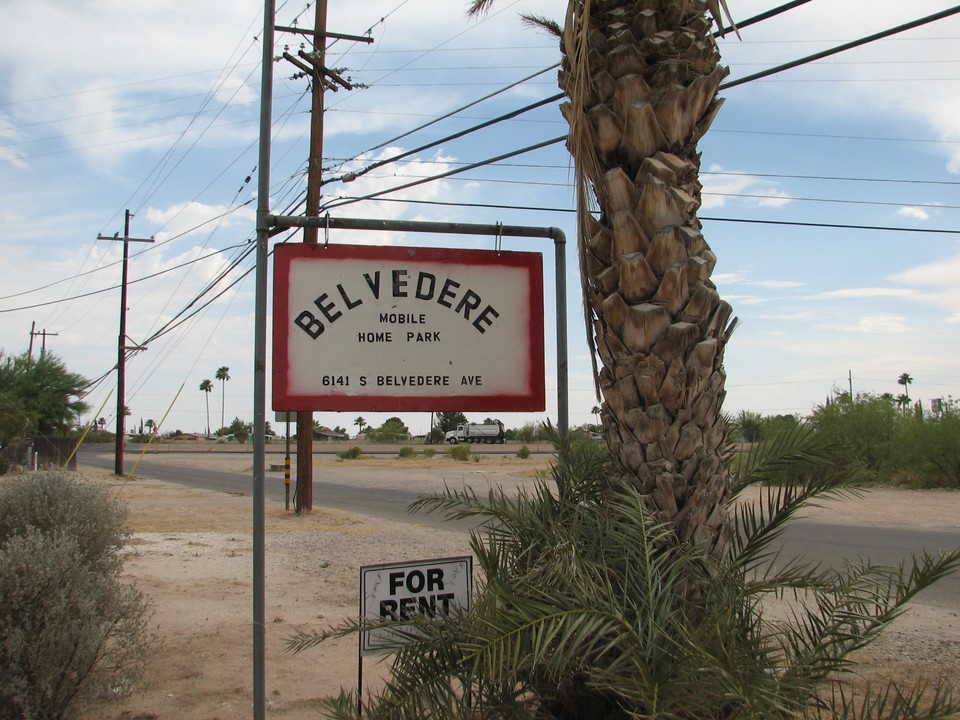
[(191, 554)]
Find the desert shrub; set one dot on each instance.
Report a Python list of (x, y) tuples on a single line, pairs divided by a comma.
[(351, 454), (406, 452), (72, 633), (53, 502), (523, 453), (459, 452), (429, 452)]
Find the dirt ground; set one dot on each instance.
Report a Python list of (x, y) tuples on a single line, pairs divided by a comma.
[(191, 553)]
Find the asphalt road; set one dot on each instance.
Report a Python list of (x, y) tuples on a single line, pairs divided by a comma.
[(823, 542)]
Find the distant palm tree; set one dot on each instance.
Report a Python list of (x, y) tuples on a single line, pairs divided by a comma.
[(207, 387), (102, 422), (595, 411), (222, 374), (360, 422), (150, 425), (905, 380)]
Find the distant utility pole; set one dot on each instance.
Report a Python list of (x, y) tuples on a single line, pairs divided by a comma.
[(122, 339), (313, 66), (43, 345)]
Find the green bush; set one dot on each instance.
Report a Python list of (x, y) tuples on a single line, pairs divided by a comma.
[(862, 428), (429, 452), (72, 633), (406, 452), (928, 450), (351, 454), (523, 453), (459, 452)]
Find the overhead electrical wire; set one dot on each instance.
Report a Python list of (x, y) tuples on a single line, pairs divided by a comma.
[(512, 154), (100, 291), (535, 208), (745, 23), (236, 264), (351, 176), (734, 83), (844, 47), (714, 193)]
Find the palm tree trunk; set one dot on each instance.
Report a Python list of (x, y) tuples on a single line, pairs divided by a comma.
[(642, 77)]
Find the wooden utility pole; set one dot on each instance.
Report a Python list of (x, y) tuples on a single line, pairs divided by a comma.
[(43, 346), (122, 339), (313, 66), (304, 499)]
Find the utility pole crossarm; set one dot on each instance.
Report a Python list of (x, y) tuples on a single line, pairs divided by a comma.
[(324, 34), (126, 239)]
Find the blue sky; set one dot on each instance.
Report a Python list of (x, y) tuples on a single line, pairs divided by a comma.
[(154, 107)]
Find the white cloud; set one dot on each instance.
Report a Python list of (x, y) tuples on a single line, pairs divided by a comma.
[(941, 273), (745, 299), (871, 292), (938, 282), (778, 284), (861, 82), (880, 324), (788, 317), (194, 217), (721, 186), (729, 278), (915, 213)]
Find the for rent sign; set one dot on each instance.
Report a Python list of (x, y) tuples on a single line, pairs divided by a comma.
[(401, 328), (401, 591)]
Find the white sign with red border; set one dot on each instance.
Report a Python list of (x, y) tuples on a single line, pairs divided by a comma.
[(390, 328)]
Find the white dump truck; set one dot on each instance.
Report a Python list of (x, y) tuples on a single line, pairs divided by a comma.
[(489, 433)]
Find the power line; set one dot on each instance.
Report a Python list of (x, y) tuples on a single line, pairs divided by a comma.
[(513, 153), (350, 176), (457, 111), (843, 48), (709, 193), (159, 273), (535, 208), (771, 71), (731, 173), (835, 137)]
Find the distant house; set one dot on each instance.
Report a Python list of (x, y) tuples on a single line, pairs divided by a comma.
[(329, 436)]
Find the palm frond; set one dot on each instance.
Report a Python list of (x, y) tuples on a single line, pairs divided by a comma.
[(591, 607), (848, 613), (921, 700), (543, 23), (795, 470)]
